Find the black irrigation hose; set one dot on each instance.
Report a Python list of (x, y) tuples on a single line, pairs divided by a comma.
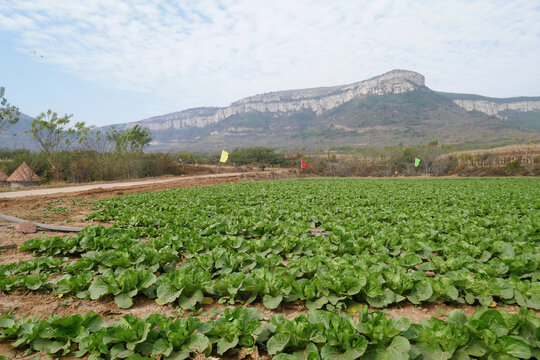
[(42, 226)]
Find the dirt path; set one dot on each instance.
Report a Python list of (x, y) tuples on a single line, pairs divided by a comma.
[(119, 185), (68, 206)]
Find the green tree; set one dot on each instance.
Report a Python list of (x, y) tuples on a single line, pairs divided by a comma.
[(132, 140), (53, 135), (129, 145), (186, 157), (9, 115), (256, 154), (118, 138), (139, 138)]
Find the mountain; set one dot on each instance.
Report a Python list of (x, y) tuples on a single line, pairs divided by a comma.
[(521, 111), (15, 135), (390, 109)]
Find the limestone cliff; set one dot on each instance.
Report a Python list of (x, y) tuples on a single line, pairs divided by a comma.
[(494, 108), (390, 109), (197, 117), (386, 110), (317, 100)]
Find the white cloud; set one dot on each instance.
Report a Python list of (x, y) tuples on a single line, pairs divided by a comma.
[(214, 52)]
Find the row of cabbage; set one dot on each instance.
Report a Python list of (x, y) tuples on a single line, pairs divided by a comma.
[(487, 226), (487, 334), (231, 278), (290, 240)]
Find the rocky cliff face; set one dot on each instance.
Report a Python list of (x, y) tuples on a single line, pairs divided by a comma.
[(198, 117), (389, 109), (494, 108), (317, 100)]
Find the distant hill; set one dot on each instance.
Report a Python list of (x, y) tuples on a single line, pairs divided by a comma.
[(521, 111), (14, 136), (390, 109)]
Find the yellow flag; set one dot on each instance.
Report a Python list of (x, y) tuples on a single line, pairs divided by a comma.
[(224, 156)]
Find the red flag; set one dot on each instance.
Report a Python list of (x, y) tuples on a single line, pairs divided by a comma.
[(304, 164)]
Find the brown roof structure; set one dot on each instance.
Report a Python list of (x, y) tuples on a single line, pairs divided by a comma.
[(3, 176), (23, 174)]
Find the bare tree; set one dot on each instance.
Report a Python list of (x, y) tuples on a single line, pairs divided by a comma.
[(9, 115), (429, 155), (528, 162), (101, 145)]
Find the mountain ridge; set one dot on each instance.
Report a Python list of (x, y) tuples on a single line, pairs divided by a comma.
[(521, 111), (389, 109), (307, 118), (316, 99)]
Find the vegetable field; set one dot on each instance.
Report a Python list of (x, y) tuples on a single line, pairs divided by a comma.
[(342, 250)]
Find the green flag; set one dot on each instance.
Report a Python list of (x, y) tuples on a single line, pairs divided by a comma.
[(416, 162)]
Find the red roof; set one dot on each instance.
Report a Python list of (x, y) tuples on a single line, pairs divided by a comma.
[(3, 176), (23, 174)]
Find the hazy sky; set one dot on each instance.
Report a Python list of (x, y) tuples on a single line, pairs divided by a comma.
[(112, 61)]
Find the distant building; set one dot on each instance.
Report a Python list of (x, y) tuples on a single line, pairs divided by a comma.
[(3, 178), (23, 177)]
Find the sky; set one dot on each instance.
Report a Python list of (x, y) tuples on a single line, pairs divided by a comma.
[(115, 61)]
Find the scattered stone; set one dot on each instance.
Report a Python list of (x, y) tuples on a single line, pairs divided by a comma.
[(429, 273), (245, 354), (241, 354), (202, 357), (316, 232), (8, 247), (26, 227)]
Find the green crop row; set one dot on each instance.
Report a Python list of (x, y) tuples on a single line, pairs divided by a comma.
[(106, 251), (334, 282), (487, 334), (322, 241)]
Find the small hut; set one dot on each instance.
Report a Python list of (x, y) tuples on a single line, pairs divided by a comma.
[(23, 177), (3, 178)]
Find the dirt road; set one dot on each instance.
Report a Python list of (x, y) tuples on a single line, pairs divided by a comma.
[(124, 185), (56, 206)]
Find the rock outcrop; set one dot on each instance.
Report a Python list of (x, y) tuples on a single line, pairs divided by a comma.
[(389, 109), (317, 100), (26, 227), (197, 117), (494, 108), (386, 110)]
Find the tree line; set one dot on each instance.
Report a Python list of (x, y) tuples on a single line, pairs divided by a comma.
[(78, 152)]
